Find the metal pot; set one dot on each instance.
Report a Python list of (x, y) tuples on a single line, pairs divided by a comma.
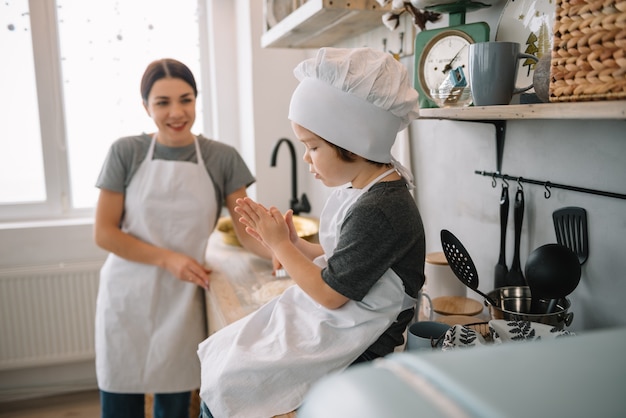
[(513, 304)]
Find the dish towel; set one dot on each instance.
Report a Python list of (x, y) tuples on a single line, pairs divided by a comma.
[(501, 331)]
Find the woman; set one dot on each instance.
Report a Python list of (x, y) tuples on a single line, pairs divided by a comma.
[(356, 290), (160, 198)]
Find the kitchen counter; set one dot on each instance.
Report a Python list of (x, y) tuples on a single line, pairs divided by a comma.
[(236, 280)]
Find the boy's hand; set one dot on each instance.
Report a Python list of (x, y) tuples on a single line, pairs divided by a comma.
[(266, 225)]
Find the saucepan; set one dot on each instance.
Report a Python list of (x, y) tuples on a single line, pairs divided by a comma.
[(513, 303)]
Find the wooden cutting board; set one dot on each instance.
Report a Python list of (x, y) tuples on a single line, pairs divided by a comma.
[(456, 305), (453, 320)]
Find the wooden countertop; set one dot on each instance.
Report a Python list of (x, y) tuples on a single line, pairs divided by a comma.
[(236, 275)]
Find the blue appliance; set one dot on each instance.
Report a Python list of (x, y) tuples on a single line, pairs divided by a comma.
[(574, 376)]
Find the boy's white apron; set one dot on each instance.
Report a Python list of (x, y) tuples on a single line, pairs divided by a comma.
[(148, 323), (263, 364)]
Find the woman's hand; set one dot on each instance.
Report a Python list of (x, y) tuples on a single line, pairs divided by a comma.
[(187, 269)]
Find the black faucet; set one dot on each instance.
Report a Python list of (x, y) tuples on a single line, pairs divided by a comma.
[(295, 205)]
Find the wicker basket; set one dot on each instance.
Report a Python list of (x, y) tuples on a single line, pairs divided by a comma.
[(589, 53)]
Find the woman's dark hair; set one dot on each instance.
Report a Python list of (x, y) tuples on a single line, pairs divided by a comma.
[(165, 68)]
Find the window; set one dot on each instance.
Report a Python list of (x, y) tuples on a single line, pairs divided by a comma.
[(21, 161), (69, 100)]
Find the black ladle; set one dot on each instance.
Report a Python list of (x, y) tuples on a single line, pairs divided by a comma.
[(515, 277), (461, 263), (552, 272), (501, 270)]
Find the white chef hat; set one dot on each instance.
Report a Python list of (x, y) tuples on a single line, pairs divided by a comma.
[(355, 98)]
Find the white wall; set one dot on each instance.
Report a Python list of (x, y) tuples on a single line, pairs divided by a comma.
[(579, 153)]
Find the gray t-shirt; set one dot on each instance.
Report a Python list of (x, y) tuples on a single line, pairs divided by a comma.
[(382, 230), (225, 166)]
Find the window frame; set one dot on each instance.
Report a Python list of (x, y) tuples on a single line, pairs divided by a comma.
[(46, 51)]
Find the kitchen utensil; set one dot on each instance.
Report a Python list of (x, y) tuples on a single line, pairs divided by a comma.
[(460, 262), (570, 226), (456, 305), (501, 269), (515, 277), (513, 304), (552, 272)]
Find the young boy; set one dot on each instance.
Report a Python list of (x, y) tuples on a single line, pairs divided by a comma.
[(356, 289)]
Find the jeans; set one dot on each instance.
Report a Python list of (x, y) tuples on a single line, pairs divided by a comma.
[(204, 411), (131, 405)]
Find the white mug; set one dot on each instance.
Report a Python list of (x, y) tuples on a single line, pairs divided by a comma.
[(493, 70)]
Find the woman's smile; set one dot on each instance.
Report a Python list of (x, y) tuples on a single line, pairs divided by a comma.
[(172, 107)]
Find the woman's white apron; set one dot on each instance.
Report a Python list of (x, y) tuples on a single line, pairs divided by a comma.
[(263, 364), (148, 323)]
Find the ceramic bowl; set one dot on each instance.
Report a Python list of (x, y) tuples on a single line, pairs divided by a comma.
[(307, 228)]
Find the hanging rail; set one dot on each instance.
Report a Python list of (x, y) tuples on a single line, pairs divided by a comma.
[(549, 185)]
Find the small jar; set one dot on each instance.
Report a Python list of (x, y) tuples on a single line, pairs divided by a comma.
[(440, 279)]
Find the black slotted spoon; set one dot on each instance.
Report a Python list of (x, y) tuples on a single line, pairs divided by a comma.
[(461, 263)]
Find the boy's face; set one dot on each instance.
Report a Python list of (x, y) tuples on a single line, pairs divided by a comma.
[(323, 160)]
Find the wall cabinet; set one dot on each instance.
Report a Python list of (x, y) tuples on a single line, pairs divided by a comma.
[(319, 23)]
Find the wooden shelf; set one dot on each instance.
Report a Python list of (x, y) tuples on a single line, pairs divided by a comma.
[(319, 23), (609, 109)]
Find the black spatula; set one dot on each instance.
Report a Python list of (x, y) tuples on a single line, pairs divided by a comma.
[(570, 226)]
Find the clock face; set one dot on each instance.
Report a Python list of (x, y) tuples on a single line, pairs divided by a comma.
[(444, 52)]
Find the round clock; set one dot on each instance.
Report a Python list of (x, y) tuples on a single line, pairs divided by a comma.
[(438, 51), (444, 52)]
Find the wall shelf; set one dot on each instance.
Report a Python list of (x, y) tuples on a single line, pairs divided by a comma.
[(499, 115), (608, 109), (319, 23)]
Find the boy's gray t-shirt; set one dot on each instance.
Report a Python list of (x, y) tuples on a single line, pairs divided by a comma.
[(382, 230), (227, 169)]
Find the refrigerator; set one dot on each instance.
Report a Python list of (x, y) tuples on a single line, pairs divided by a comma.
[(575, 376)]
